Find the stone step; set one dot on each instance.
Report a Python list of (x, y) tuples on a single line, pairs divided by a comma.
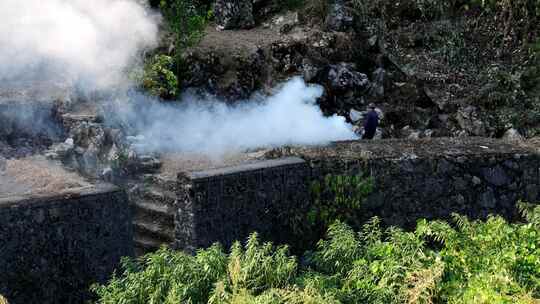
[(146, 165), (156, 219), (156, 209), (153, 203), (163, 182), (156, 194), (154, 230), (145, 245)]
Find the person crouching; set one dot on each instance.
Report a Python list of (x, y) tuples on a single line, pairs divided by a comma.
[(371, 122)]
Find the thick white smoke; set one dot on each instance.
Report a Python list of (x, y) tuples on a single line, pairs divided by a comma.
[(92, 43), (88, 41), (291, 116)]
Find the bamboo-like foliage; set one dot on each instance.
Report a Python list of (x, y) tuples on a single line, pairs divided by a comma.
[(465, 261)]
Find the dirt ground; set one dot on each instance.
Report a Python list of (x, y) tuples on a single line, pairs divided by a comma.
[(246, 41), (172, 164), (35, 176)]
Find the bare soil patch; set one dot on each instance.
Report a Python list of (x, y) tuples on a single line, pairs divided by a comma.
[(172, 164), (241, 42), (37, 176)]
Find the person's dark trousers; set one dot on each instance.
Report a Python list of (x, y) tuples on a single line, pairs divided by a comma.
[(368, 135)]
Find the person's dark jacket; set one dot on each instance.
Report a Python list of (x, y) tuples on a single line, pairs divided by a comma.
[(371, 124)]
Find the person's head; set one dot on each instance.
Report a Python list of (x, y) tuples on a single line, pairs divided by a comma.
[(371, 106)]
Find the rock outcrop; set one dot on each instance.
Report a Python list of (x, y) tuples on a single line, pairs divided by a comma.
[(234, 14), (340, 17), (353, 68)]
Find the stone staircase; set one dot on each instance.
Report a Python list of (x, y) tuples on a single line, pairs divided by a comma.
[(153, 209)]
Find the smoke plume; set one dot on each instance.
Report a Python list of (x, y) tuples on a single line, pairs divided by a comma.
[(290, 116), (88, 42), (92, 44)]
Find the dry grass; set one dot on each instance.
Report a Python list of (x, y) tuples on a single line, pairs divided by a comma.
[(36, 175), (172, 164), (3, 300), (422, 284)]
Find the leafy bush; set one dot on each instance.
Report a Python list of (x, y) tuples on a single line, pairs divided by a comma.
[(159, 78), (513, 95), (185, 20), (338, 197), (488, 261), (174, 277)]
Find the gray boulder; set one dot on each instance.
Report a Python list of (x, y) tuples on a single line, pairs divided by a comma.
[(339, 18), (377, 86), (309, 70), (108, 174), (342, 78), (513, 135), (262, 9), (469, 120), (234, 14), (3, 164), (61, 150), (88, 161), (356, 116)]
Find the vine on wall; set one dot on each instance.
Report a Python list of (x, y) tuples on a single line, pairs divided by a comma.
[(338, 197)]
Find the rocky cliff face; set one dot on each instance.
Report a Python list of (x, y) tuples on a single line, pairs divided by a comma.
[(234, 14), (426, 74), (351, 65)]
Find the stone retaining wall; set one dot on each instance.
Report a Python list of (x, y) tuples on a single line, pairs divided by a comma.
[(434, 178), (227, 204), (53, 248), (412, 180)]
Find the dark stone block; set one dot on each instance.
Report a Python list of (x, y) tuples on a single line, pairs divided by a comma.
[(241, 200), (496, 176), (53, 248)]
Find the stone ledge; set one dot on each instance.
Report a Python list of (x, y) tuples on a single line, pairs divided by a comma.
[(259, 165), (43, 199), (392, 149)]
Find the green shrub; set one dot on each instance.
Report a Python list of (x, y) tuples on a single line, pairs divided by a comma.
[(211, 275), (159, 78), (338, 197), (513, 95), (185, 21), (488, 261)]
